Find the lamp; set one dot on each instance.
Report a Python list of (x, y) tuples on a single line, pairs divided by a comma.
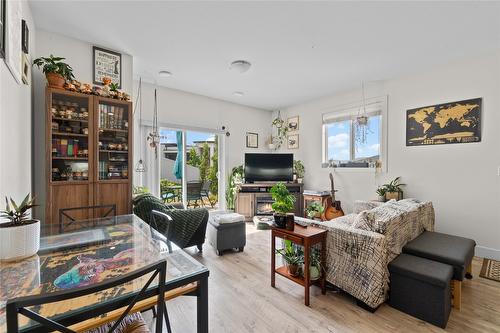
[(241, 66)]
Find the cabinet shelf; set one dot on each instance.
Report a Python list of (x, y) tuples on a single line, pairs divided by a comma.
[(114, 151), (70, 134), (66, 119), (70, 158), (113, 130)]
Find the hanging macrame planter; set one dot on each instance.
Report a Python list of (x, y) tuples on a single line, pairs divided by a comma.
[(154, 136)]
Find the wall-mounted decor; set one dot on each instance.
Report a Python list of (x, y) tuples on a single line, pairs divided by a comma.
[(252, 140), (293, 141), (455, 122), (293, 124), (13, 52), (2, 28), (107, 64), (25, 75), (25, 37)]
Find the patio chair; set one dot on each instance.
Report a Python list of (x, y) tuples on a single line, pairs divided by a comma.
[(194, 194), (205, 189)]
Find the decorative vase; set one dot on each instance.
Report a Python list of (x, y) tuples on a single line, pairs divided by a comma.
[(290, 221), (280, 220), (55, 80), (18, 242), (300, 180), (381, 198), (293, 270)]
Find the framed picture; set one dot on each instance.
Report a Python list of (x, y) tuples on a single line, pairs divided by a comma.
[(454, 122), (2, 27), (26, 69), (293, 124), (12, 32), (293, 141), (25, 37), (107, 64), (252, 140)]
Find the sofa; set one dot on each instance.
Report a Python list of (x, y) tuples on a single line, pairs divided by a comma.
[(362, 244), (188, 225)]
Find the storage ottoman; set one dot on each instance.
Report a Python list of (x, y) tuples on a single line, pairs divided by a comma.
[(226, 230), (447, 249), (421, 287)]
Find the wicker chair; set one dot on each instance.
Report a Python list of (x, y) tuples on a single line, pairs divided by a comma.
[(188, 226)]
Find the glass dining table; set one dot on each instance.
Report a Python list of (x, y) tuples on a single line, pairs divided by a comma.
[(90, 252)]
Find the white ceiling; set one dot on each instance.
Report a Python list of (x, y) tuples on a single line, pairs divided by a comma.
[(299, 50)]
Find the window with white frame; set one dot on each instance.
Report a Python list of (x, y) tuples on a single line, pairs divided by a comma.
[(347, 144)]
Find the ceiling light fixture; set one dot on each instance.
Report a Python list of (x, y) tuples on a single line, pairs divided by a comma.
[(241, 66), (238, 93), (164, 74)]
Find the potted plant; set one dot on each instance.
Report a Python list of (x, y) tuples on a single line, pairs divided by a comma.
[(299, 170), (381, 193), (283, 204), (20, 236), (315, 209), (393, 189), (56, 71), (315, 264), (292, 257)]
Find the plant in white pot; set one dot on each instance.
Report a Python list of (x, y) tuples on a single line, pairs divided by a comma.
[(20, 234), (299, 170)]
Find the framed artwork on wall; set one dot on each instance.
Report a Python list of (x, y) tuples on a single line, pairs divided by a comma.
[(12, 35), (252, 140), (293, 124), (25, 37), (2, 28), (293, 141), (454, 122), (107, 64)]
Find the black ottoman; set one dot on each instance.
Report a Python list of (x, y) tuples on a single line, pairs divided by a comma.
[(447, 249), (421, 287)]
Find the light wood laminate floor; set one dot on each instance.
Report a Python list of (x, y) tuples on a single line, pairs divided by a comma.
[(241, 299)]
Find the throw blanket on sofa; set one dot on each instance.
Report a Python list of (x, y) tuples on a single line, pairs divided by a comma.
[(357, 259)]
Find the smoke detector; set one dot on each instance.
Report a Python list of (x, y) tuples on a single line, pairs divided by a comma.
[(241, 66)]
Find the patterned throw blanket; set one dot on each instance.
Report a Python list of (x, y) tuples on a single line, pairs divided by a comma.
[(357, 259)]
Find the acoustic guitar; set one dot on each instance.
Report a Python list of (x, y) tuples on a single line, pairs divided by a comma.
[(334, 210)]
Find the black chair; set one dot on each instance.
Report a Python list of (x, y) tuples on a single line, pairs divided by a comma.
[(65, 212), (194, 193), (20, 305)]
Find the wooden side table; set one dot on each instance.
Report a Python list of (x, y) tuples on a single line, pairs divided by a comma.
[(307, 237)]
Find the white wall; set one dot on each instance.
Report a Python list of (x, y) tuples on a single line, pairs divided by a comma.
[(15, 127), (78, 54), (185, 109), (462, 180)]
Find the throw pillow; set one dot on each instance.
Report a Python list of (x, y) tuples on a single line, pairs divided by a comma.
[(365, 221)]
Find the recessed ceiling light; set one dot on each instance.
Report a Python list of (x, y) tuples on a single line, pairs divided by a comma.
[(164, 74), (238, 93), (241, 66)]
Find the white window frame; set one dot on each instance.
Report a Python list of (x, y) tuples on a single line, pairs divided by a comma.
[(375, 105)]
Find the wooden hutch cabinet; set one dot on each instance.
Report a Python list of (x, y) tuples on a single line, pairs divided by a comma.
[(88, 154)]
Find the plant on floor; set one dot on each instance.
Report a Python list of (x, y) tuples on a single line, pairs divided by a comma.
[(314, 209), (234, 182), (315, 264), (283, 204), (292, 256), (20, 237), (56, 71), (299, 170)]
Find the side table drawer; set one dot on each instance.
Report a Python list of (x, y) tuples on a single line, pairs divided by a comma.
[(293, 239)]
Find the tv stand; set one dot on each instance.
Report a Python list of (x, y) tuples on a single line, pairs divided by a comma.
[(255, 199)]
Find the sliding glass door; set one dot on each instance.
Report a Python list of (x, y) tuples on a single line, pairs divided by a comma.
[(190, 168)]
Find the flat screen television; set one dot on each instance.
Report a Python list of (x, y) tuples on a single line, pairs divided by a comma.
[(268, 167)]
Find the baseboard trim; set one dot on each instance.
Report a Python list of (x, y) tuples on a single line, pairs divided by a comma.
[(487, 252)]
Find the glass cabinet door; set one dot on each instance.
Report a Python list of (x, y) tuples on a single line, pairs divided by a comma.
[(113, 140), (69, 132)]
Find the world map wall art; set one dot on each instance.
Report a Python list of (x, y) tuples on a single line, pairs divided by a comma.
[(456, 122)]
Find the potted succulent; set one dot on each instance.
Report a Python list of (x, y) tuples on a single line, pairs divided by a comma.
[(20, 235), (56, 71), (393, 189), (314, 210), (283, 204), (292, 257), (299, 170), (381, 193)]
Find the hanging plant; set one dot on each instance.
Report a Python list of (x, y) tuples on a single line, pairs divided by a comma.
[(281, 129), (154, 136)]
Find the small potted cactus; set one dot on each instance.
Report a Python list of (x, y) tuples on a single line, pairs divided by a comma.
[(19, 234)]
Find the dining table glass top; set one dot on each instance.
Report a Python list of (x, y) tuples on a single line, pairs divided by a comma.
[(90, 252)]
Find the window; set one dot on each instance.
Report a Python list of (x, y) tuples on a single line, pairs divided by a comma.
[(343, 144)]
